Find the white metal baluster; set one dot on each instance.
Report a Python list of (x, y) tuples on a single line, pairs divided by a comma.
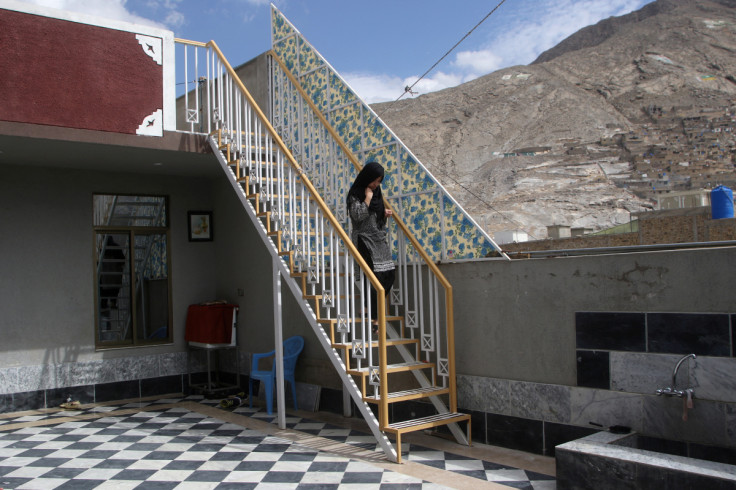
[(349, 278), (304, 229), (230, 93), (292, 209), (210, 89), (279, 211), (257, 155), (239, 132), (441, 335), (338, 301), (403, 284), (333, 270), (186, 84), (430, 301), (415, 303), (218, 93), (197, 89), (248, 152), (270, 167), (420, 307)]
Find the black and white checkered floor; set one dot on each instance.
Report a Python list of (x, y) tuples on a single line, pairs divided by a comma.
[(167, 444)]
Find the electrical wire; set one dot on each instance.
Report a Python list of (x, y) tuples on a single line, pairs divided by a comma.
[(409, 87)]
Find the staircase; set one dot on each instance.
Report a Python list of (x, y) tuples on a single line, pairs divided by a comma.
[(411, 356)]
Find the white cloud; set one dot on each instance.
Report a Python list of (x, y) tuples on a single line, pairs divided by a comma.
[(116, 10), (521, 41), (175, 18), (375, 88), (478, 62), (551, 22)]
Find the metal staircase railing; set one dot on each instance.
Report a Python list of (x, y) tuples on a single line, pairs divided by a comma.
[(313, 248)]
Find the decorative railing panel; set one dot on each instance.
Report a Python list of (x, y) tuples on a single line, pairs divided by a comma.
[(451, 233)]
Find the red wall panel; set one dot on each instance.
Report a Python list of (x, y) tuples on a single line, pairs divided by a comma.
[(63, 73)]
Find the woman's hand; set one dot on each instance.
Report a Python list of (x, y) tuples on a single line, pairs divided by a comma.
[(368, 195), (387, 212)]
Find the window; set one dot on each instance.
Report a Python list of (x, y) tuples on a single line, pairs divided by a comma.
[(132, 280)]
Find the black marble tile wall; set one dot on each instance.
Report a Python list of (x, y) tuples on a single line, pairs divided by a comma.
[(120, 390), (6, 403), (610, 331), (162, 385), (330, 400), (706, 334), (712, 453), (410, 410), (594, 369), (675, 448), (556, 434), (703, 334), (477, 426), (31, 400), (53, 398), (57, 396), (515, 433)]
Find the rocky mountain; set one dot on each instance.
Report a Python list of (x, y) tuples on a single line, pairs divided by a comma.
[(594, 128)]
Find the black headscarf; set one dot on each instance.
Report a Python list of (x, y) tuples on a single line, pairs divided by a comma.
[(371, 171)]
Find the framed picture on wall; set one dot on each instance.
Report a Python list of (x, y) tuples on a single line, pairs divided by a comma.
[(200, 226)]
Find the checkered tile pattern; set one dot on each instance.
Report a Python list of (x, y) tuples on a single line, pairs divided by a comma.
[(177, 448)]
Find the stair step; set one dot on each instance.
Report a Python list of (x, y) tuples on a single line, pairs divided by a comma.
[(332, 321), (349, 345), (427, 422), (399, 428), (414, 394), (394, 368)]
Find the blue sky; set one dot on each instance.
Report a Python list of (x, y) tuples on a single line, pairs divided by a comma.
[(378, 46)]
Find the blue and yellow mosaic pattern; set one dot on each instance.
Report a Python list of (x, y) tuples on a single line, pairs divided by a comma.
[(439, 224)]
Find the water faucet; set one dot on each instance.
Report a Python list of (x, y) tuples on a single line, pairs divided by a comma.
[(672, 390)]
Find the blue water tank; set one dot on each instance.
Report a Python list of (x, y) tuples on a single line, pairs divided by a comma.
[(721, 202)]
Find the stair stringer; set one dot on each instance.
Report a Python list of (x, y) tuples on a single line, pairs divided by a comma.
[(320, 333)]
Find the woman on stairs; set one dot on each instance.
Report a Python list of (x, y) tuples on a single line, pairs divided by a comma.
[(368, 217)]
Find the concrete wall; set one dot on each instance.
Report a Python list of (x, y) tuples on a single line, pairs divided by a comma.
[(253, 73), (519, 359), (47, 281), (47, 263), (516, 319)]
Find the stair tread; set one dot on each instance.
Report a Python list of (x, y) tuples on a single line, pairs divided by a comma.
[(429, 421), (406, 395), (358, 320), (374, 343), (399, 366)]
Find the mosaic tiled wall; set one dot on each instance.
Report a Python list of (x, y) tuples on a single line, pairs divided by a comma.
[(438, 222)]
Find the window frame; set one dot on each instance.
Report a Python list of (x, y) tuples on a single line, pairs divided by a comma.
[(132, 232)]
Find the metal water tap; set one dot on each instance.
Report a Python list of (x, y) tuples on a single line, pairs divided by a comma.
[(672, 390)]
